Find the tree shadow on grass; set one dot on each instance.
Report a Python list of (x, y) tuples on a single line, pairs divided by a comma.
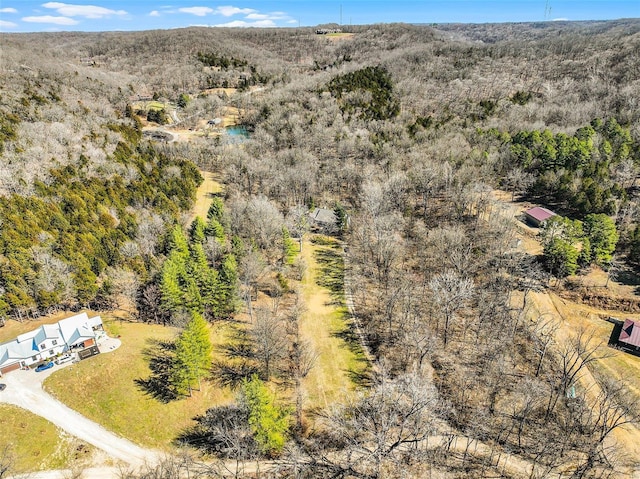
[(360, 375), (331, 273), (239, 362), (628, 277), (159, 354), (232, 373)]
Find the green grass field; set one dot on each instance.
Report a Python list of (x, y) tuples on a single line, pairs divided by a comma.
[(116, 388), (33, 443), (155, 105), (341, 364), (113, 389)]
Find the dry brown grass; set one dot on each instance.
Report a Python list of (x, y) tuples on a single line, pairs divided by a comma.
[(339, 36), (321, 325), (34, 443), (205, 193), (106, 388), (574, 316), (230, 116)]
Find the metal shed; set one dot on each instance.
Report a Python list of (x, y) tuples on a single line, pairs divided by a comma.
[(538, 215)]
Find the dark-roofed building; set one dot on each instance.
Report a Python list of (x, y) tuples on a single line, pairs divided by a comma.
[(538, 215), (324, 218), (630, 334)]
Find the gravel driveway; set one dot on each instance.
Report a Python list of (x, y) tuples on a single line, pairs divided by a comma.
[(24, 389)]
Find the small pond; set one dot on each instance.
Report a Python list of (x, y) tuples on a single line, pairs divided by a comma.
[(238, 133)]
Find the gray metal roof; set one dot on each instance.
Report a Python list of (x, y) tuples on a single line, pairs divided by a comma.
[(324, 216)]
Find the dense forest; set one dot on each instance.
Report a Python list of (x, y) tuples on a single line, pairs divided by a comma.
[(404, 130)]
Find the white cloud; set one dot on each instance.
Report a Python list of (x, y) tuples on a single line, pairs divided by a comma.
[(154, 13), (270, 16), (5, 24), (198, 11), (8, 10), (50, 19), (243, 24), (87, 11), (257, 16), (560, 20), (228, 11)]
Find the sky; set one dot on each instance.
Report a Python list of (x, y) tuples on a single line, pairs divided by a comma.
[(111, 15)]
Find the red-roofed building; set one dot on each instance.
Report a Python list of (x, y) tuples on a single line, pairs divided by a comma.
[(630, 334), (538, 215)]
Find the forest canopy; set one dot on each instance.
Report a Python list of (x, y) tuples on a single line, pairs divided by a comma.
[(394, 159)]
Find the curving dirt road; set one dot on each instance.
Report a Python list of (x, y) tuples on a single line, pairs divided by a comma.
[(24, 389), (571, 317)]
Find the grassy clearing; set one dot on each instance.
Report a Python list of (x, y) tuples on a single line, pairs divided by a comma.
[(619, 365), (231, 116), (109, 389), (339, 36), (341, 364), (33, 443), (155, 105), (207, 190)]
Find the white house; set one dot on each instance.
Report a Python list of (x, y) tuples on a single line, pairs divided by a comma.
[(79, 331)]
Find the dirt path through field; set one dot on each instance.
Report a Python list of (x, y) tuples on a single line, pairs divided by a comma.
[(24, 389), (321, 325), (205, 193)]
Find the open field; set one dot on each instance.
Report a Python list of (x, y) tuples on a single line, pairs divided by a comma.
[(205, 193), (116, 389), (621, 366), (231, 115), (149, 105), (339, 36), (340, 362), (573, 316), (36, 444)]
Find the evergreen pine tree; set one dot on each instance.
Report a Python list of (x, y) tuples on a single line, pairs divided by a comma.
[(172, 271), (192, 357), (341, 218), (216, 210), (215, 229), (206, 279), (228, 285), (288, 247), (197, 230), (268, 421), (178, 242)]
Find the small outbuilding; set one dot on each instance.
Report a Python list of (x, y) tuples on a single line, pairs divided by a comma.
[(324, 218), (630, 334), (538, 216)]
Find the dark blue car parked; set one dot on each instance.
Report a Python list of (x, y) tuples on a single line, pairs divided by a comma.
[(44, 366)]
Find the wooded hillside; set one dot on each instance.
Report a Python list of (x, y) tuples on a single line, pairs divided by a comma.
[(408, 130)]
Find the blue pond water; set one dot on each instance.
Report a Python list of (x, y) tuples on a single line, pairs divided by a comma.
[(238, 132)]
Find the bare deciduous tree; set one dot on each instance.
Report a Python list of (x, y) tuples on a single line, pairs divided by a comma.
[(268, 339), (374, 430), (574, 356), (450, 292)]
